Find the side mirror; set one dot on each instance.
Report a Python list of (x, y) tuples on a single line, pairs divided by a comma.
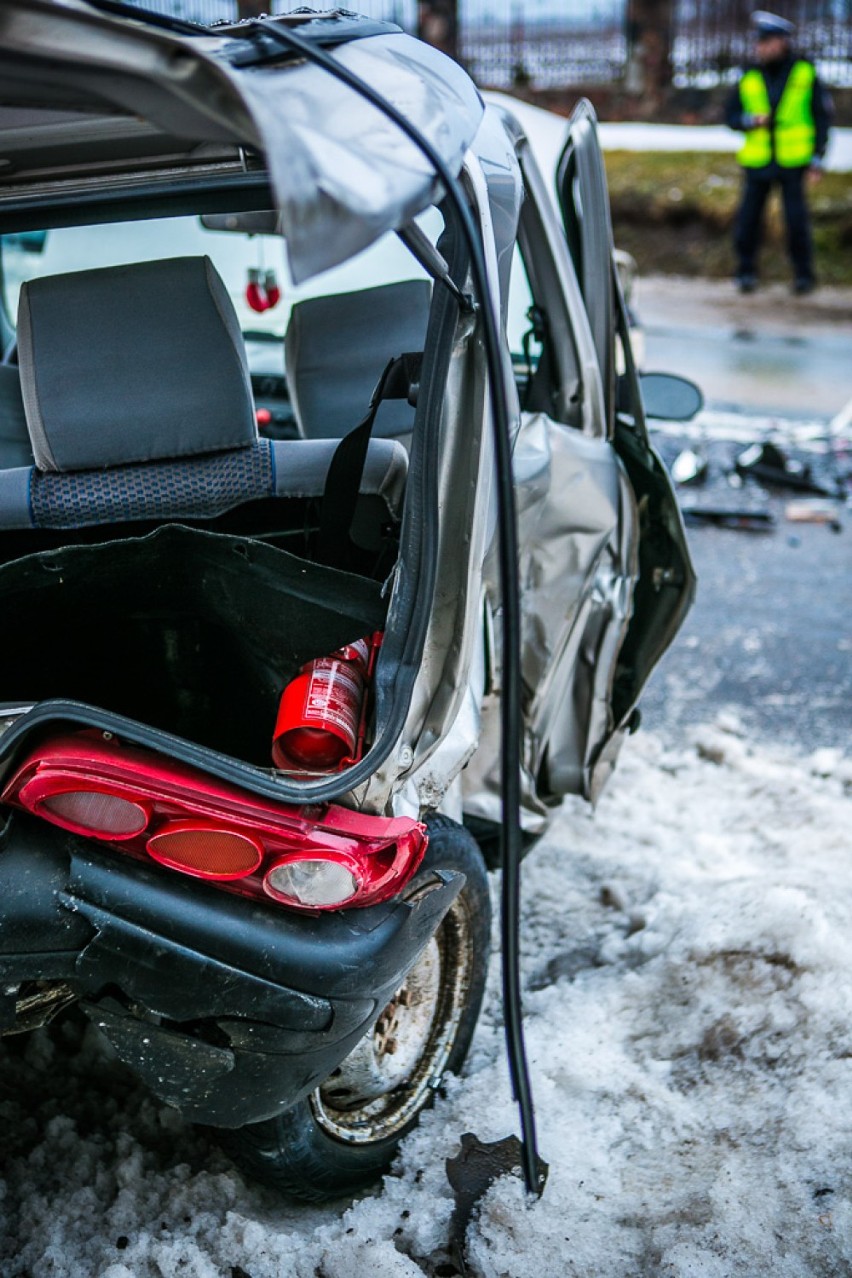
[(670, 398)]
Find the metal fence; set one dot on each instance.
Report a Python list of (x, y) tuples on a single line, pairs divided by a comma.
[(712, 40), (543, 55), (508, 42), (206, 12)]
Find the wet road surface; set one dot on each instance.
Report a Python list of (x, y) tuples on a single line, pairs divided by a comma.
[(768, 352), (769, 638), (783, 375)]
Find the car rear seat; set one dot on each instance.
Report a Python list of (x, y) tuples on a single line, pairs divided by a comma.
[(138, 406), (336, 348), (15, 447)]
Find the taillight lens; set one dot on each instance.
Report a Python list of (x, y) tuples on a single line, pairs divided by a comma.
[(205, 852), (313, 857), (312, 882), (94, 812)]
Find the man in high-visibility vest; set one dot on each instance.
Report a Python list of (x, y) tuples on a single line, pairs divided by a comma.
[(784, 112)]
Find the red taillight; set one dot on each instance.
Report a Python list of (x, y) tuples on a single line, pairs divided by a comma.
[(94, 812), (317, 857), (209, 854)]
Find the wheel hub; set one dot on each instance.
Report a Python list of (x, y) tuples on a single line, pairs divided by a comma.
[(389, 1075)]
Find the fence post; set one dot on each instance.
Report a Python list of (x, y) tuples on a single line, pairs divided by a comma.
[(438, 24), (648, 72)]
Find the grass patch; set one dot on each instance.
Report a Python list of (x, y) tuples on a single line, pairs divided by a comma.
[(674, 211)]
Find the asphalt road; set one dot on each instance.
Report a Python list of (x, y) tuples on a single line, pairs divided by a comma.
[(769, 639), (765, 353)]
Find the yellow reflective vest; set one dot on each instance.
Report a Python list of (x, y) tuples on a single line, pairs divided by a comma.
[(790, 138)]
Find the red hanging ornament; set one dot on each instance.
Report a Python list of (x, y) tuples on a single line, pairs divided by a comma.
[(273, 290), (256, 292)]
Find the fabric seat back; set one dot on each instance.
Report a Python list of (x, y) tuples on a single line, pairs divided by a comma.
[(337, 347), (138, 404), (15, 448)]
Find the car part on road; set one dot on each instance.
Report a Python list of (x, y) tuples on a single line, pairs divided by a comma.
[(814, 511), (767, 464), (744, 518), (690, 467)]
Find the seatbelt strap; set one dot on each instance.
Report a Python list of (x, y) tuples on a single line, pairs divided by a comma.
[(399, 380)]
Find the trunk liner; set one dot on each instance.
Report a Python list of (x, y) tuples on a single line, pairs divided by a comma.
[(189, 631)]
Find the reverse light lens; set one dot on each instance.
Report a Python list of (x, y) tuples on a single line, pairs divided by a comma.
[(206, 853), (311, 882), (94, 812)]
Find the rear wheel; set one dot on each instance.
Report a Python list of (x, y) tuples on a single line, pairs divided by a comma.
[(345, 1134)]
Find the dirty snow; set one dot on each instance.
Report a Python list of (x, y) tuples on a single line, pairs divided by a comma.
[(687, 951)]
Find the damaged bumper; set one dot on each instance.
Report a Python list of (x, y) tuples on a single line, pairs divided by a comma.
[(231, 1011)]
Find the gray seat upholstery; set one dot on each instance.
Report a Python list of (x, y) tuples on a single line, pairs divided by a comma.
[(336, 348), (132, 363), (15, 447), (138, 404)]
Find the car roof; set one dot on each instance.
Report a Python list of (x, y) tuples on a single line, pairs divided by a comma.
[(95, 104)]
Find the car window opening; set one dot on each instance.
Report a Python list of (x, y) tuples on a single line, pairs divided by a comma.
[(314, 355)]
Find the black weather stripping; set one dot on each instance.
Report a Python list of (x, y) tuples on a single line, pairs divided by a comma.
[(535, 1170)]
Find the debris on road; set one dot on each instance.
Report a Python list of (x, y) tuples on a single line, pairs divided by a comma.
[(744, 519), (814, 511), (690, 467), (768, 465)]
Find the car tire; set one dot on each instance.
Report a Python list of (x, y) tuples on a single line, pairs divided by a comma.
[(344, 1136)]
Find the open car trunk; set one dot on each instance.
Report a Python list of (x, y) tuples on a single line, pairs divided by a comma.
[(185, 630)]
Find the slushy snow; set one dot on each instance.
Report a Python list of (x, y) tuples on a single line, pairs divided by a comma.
[(687, 957)]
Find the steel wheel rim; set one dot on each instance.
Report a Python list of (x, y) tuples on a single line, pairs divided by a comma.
[(370, 1097)]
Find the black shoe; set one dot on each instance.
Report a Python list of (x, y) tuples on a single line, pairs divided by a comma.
[(746, 283), (803, 286)]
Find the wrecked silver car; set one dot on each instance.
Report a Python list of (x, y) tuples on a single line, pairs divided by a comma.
[(253, 553)]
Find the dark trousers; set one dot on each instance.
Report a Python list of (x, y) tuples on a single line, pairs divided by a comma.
[(749, 224)]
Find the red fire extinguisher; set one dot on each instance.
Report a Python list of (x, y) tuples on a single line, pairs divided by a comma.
[(323, 711)]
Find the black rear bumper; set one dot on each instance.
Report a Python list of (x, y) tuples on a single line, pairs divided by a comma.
[(228, 1009)]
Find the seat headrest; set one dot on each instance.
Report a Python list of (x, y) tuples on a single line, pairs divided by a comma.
[(132, 363), (336, 347)]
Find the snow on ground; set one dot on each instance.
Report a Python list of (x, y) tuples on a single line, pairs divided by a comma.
[(546, 132), (705, 137), (689, 1021)]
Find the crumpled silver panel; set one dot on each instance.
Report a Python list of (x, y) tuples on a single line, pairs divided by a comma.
[(342, 172), (577, 530)]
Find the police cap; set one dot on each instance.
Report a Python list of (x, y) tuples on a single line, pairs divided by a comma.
[(769, 24)]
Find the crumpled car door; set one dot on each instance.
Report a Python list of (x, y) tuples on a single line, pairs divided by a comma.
[(642, 581), (577, 527), (665, 587), (584, 203)]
